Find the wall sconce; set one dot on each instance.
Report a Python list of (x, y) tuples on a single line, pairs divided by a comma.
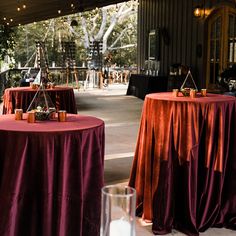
[(198, 11)]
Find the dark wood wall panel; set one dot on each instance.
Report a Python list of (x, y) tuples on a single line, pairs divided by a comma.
[(184, 30)]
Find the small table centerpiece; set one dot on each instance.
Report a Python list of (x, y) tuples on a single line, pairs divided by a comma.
[(42, 104), (186, 90)]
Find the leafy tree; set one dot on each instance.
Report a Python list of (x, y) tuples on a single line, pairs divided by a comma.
[(7, 42), (114, 25)]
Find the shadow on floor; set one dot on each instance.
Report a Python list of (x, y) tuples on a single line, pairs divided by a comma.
[(117, 170)]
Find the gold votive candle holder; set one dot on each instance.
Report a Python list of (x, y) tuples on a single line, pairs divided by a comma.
[(33, 86), (62, 116), (52, 112), (203, 92), (31, 116), (175, 92), (52, 115), (193, 93), (18, 114), (52, 86)]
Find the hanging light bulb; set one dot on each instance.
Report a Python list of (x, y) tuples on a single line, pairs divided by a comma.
[(20, 6)]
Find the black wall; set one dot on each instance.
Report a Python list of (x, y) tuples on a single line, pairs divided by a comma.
[(182, 35)]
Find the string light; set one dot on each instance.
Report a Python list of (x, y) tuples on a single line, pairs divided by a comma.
[(19, 6), (7, 21)]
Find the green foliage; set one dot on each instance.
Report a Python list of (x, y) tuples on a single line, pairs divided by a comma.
[(7, 42), (124, 57), (54, 31)]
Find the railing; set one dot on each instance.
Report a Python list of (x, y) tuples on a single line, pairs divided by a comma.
[(76, 76)]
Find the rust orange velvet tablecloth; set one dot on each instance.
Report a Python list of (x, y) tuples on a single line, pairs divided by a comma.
[(51, 175), (62, 97), (184, 169)]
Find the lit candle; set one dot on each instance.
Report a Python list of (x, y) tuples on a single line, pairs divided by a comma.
[(175, 92), (192, 93), (203, 92), (52, 112), (31, 116), (120, 228), (18, 114), (33, 86), (61, 116)]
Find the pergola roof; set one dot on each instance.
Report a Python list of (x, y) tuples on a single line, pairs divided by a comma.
[(37, 10)]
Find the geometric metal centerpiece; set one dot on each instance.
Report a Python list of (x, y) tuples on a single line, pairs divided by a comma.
[(188, 84), (41, 103)]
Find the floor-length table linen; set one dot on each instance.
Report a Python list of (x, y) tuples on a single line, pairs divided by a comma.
[(62, 97), (51, 175), (140, 85), (184, 168)]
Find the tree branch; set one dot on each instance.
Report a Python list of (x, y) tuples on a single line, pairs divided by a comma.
[(122, 47), (118, 38), (116, 17), (94, 24), (84, 28), (103, 25)]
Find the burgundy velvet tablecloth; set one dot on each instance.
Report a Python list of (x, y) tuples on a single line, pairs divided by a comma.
[(63, 98), (51, 175), (184, 169)]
